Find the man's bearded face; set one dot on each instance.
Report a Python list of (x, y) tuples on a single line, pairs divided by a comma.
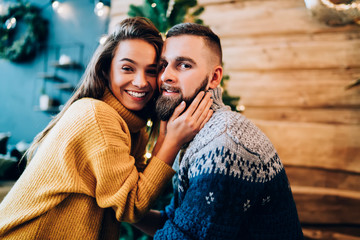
[(166, 105)]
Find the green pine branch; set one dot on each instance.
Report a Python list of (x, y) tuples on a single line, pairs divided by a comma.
[(159, 13)]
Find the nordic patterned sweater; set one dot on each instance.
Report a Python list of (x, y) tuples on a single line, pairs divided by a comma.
[(230, 184)]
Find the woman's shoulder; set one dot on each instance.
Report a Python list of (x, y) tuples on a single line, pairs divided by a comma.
[(88, 116), (92, 108), (92, 111), (91, 105)]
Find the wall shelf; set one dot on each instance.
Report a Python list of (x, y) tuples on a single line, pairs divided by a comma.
[(60, 75), (68, 66), (66, 87), (52, 77)]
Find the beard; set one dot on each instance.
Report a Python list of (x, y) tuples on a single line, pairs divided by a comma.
[(165, 105)]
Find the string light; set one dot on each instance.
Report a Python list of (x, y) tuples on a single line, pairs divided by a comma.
[(148, 155), (55, 5), (240, 108), (99, 5), (102, 8), (149, 123), (103, 39), (10, 23)]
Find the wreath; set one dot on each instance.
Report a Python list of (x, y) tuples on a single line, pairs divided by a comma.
[(23, 48)]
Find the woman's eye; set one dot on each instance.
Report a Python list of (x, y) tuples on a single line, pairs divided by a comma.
[(152, 72), (126, 69)]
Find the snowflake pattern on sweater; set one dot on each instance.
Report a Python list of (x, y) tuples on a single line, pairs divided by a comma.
[(230, 184)]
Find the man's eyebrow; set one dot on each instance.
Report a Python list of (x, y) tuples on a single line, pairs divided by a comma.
[(187, 59), (179, 59)]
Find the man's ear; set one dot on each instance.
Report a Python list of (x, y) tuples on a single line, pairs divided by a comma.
[(216, 77)]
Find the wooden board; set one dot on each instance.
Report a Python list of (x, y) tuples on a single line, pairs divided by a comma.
[(308, 115), (326, 146), (323, 178), (303, 51), (327, 206), (296, 88), (331, 232), (260, 17)]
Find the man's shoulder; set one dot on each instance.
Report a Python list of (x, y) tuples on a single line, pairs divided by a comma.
[(231, 144), (231, 128)]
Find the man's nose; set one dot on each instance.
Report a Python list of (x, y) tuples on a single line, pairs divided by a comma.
[(167, 75), (140, 80)]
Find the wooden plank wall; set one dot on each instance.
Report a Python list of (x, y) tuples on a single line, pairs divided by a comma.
[(291, 72)]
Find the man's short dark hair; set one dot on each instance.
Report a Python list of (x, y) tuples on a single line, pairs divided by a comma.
[(211, 39)]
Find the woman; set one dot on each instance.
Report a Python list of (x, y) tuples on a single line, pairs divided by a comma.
[(83, 180)]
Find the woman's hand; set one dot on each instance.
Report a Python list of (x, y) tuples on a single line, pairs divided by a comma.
[(183, 126)]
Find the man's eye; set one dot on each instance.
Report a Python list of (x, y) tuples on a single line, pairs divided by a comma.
[(184, 66), (161, 67)]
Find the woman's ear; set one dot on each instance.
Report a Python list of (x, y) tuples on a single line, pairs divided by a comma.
[(216, 77)]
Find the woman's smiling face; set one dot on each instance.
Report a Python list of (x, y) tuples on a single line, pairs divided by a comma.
[(133, 73)]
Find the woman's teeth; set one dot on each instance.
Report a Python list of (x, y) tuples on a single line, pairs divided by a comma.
[(136, 94)]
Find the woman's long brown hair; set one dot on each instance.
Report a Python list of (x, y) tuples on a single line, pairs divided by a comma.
[(96, 77)]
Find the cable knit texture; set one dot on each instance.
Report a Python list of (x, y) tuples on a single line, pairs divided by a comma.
[(83, 180), (230, 184)]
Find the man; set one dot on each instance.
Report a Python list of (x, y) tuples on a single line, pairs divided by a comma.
[(230, 181)]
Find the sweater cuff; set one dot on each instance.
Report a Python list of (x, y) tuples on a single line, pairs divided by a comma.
[(159, 171)]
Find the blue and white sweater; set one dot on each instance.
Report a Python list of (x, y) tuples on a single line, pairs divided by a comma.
[(230, 184)]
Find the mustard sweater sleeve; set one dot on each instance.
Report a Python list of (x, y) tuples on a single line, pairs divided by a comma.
[(107, 170)]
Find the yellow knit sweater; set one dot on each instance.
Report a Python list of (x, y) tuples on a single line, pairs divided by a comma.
[(83, 177)]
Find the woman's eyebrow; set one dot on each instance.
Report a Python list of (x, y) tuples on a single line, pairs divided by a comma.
[(127, 59), (132, 61)]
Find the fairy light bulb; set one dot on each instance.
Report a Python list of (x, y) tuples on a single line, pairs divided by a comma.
[(148, 155), (10, 23), (55, 5), (149, 123)]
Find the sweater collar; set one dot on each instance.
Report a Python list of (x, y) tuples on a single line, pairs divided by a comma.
[(217, 98), (134, 122)]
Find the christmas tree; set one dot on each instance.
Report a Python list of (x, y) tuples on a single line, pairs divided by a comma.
[(167, 13)]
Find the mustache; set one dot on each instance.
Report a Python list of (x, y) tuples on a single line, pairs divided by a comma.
[(168, 87)]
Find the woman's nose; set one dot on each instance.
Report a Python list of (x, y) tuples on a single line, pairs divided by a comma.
[(140, 80)]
